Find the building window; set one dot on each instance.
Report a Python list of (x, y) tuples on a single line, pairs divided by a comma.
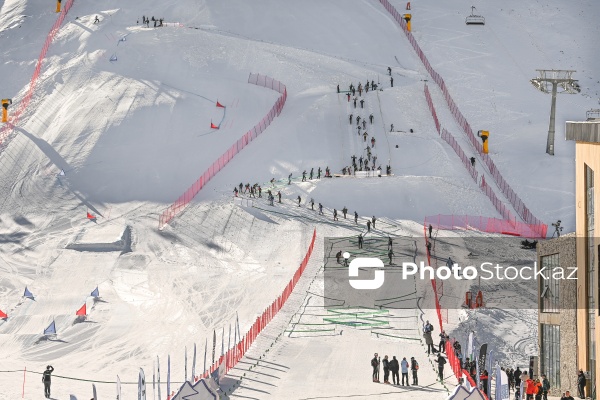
[(550, 357), (549, 287), (590, 270)]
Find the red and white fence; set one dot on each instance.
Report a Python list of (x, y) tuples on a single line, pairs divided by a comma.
[(15, 115), (183, 200), (518, 205)]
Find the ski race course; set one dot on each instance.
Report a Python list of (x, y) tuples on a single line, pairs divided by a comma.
[(125, 141)]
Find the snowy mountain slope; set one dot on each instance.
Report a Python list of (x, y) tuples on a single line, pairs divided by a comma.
[(133, 134)]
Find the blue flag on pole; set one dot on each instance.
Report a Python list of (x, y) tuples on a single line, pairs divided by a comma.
[(51, 329), (95, 292), (27, 293)]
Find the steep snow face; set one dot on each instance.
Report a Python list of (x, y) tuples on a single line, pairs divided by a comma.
[(134, 133)]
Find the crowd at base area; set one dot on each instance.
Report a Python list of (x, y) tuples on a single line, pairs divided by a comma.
[(394, 367), (146, 21)]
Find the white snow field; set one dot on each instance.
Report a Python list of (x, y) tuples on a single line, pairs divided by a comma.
[(132, 134)]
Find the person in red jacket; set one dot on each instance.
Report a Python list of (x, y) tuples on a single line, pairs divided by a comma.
[(483, 379), (530, 388)]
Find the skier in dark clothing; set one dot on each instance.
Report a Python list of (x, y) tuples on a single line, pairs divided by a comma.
[(312, 204), (311, 173), (338, 256), (46, 377), (299, 200), (472, 161), (390, 243), (441, 361), (368, 225), (259, 191), (235, 191), (304, 176), (389, 71), (390, 255), (517, 376), (327, 172), (319, 173), (355, 217), (353, 159), (375, 365), (373, 220), (360, 241), (392, 81), (581, 382), (430, 229), (392, 128), (345, 211), (395, 368), (358, 120), (338, 88), (335, 218), (362, 103), (290, 179), (351, 119), (320, 208), (355, 102), (279, 196), (364, 123), (241, 186), (96, 20), (371, 118)]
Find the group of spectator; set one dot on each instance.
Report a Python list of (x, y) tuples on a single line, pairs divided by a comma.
[(394, 367)]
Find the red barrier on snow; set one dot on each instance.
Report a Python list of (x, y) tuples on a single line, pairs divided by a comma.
[(9, 128), (235, 353), (483, 224), (508, 226), (504, 187), (193, 190)]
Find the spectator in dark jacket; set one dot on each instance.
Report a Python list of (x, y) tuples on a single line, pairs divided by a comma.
[(581, 382), (567, 396), (386, 370), (395, 368)]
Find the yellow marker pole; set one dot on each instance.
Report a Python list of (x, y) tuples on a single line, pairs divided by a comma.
[(57, 6), (407, 18), (484, 137), (5, 104)]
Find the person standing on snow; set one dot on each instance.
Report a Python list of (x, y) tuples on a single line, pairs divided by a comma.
[(46, 378), (304, 176), (375, 365), (368, 225), (290, 179), (391, 256), (395, 368), (371, 118), (355, 217), (364, 123), (373, 221), (441, 361), (279, 195), (404, 365), (344, 210), (351, 118), (335, 218), (386, 370), (312, 204), (362, 103), (299, 200), (320, 208), (389, 71), (360, 241), (311, 173), (414, 367), (392, 81), (338, 255)]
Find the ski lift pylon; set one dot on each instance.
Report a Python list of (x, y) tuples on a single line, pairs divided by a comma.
[(474, 19)]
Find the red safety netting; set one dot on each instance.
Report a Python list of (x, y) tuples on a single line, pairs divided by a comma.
[(509, 225), (518, 205), (235, 354), (482, 224), (453, 360), (8, 128), (193, 190)]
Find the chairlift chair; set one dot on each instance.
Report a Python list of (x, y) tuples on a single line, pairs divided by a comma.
[(474, 19)]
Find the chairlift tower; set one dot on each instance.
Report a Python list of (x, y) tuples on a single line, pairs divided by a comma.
[(549, 81)]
